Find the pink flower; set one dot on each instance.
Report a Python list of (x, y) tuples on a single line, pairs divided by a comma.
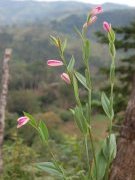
[(22, 121), (66, 78), (91, 21), (54, 63), (96, 10), (106, 26)]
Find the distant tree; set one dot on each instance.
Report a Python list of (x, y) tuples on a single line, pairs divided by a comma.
[(23, 101), (3, 100), (123, 167), (126, 70)]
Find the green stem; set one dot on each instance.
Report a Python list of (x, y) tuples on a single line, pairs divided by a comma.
[(87, 154), (110, 130), (93, 151), (51, 153), (88, 81), (63, 59), (89, 104), (108, 163), (112, 76)]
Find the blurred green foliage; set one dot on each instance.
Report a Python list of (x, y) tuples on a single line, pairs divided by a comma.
[(23, 101), (18, 160), (37, 89)]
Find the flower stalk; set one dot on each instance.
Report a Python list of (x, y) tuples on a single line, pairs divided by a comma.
[(111, 37), (83, 113)]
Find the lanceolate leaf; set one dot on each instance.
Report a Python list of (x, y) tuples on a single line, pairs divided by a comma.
[(79, 33), (86, 50), (54, 40), (76, 91), (43, 131), (101, 165), (50, 168), (113, 146), (112, 49), (64, 45), (109, 147), (81, 79), (111, 36), (106, 153), (80, 120), (32, 121), (71, 64), (106, 105), (99, 171)]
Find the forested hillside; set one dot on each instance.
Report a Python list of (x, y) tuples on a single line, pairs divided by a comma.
[(31, 43), (26, 26), (16, 12)]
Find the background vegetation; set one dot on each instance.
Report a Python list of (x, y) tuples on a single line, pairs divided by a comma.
[(25, 27)]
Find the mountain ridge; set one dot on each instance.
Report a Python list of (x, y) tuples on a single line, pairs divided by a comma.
[(17, 12)]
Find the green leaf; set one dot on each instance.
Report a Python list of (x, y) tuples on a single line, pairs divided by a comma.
[(71, 64), (72, 111), (106, 105), (32, 121), (80, 120), (112, 49), (88, 78), (50, 168), (107, 152), (54, 40), (81, 79), (86, 50), (101, 163), (43, 131), (76, 91), (79, 33), (105, 148), (88, 17), (64, 45), (112, 72), (113, 146), (87, 113), (111, 36), (109, 147)]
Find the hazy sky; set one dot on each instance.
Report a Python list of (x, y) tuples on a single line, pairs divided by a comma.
[(128, 2)]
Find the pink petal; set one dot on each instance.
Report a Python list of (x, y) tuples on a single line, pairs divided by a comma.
[(106, 26), (22, 121), (91, 21), (22, 118), (66, 78), (96, 10), (54, 63)]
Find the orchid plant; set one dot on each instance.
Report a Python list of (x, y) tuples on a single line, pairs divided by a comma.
[(99, 167)]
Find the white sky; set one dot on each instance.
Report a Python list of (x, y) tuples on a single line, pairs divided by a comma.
[(128, 2)]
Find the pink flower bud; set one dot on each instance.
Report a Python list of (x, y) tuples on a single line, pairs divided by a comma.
[(54, 63), (22, 121), (91, 21), (66, 78), (106, 26), (96, 10)]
